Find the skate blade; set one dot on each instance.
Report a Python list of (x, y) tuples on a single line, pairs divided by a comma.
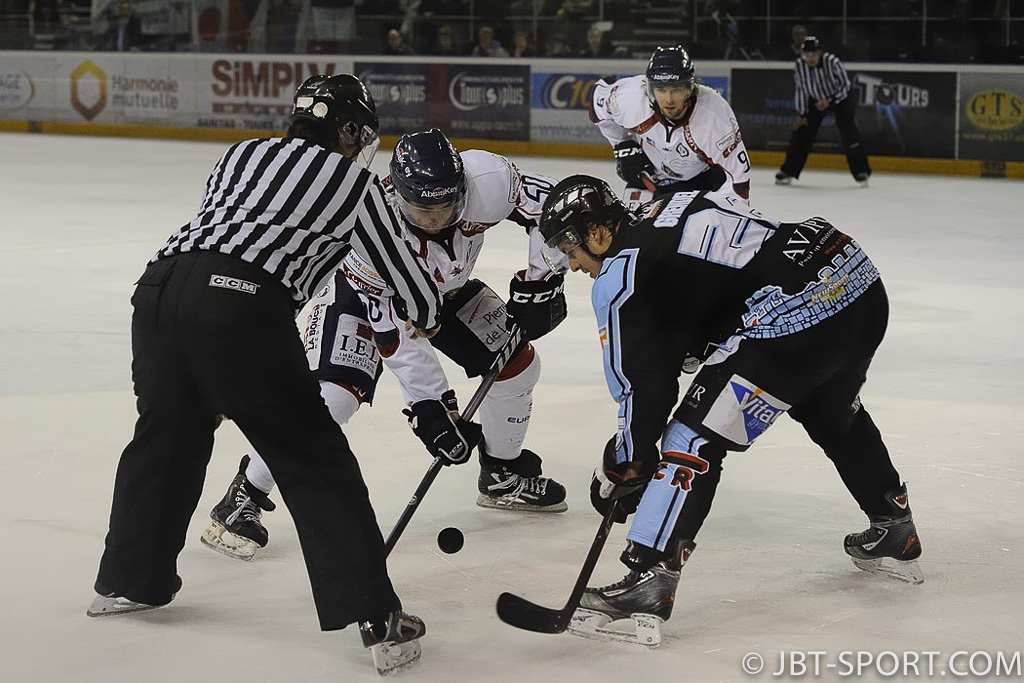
[(391, 657), (901, 570), (599, 626), (515, 506), (217, 537), (105, 607)]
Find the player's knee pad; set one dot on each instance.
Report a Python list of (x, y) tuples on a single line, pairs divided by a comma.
[(342, 400), (690, 466), (505, 411)]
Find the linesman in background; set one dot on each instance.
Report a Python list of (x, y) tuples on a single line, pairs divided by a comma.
[(822, 87), (213, 334)]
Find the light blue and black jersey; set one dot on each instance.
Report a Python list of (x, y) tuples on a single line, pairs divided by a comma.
[(718, 268)]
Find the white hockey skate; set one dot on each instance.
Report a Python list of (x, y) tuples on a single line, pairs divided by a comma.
[(890, 546), (394, 644), (639, 629), (109, 605), (632, 610)]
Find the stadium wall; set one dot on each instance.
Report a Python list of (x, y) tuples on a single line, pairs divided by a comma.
[(946, 119)]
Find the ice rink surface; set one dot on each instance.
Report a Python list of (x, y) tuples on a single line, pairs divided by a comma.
[(80, 218)]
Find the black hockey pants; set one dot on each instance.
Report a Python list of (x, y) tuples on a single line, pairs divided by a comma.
[(214, 335), (819, 372), (802, 139)]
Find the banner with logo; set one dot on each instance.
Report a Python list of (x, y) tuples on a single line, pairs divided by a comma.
[(561, 102), (899, 113), (992, 116), (489, 101), (400, 93)]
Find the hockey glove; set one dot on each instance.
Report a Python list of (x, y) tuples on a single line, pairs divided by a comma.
[(537, 306), (616, 482), (442, 431), (631, 163)]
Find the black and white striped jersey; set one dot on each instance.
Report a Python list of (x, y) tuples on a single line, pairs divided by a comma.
[(295, 209), (827, 81)]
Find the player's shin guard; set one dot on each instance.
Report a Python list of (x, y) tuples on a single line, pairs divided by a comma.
[(890, 546), (645, 597), (393, 641)]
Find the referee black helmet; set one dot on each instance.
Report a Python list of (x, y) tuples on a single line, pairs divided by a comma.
[(343, 104)]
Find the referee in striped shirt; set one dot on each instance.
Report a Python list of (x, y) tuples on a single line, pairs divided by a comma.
[(214, 334), (822, 86)]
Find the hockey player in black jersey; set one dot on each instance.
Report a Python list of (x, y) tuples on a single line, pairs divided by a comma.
[(213, 334), (785, 318)]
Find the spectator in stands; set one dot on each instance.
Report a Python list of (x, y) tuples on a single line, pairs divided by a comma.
[(598, 44), (282, 24), (396, 44), (798, 34), (558, 45), (67, 35), (521, 45), (125, 31), (444, 42), (487, 45)]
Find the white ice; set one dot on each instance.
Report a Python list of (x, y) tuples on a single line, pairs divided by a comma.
[(80, 217)]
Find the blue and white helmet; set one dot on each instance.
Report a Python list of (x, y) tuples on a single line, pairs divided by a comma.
[(429, 180), (670, 66)]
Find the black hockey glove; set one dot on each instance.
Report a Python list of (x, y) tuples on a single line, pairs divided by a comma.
[(609, 484), (631, 162), (711, 178), (446, 436), (537, 306)]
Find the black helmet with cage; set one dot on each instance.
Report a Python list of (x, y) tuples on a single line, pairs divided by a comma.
[(576, 203), (341, 110)]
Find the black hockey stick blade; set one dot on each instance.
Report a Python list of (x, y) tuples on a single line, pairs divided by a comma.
[(529, 616)]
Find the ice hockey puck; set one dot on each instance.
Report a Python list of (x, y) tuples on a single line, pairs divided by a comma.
[(450, 540)]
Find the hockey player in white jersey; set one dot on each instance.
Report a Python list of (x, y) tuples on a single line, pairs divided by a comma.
[(670, 133), (447, 201)]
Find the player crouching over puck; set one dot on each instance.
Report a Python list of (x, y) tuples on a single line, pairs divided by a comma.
[(785, 318)]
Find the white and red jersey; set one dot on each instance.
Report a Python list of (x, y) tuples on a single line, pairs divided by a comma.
[(707, 135), (495, 190)]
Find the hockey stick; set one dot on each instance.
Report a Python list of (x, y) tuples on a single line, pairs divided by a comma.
[(515, 341), (521, 613)]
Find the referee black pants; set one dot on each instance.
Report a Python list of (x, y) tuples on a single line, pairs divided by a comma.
[(802, 139), (214, 335)]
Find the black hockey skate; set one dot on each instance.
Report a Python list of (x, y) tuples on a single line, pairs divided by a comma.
[(890, 546), (646, 597), (394, 641), (518, 485), (235, 528)]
